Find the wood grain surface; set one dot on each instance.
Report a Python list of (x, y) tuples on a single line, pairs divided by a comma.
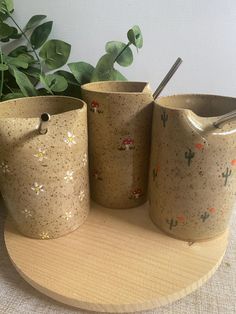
[(118, 261)]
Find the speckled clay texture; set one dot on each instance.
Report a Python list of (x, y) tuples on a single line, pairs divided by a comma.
[(44, 178), (120, 115), (193, 166)]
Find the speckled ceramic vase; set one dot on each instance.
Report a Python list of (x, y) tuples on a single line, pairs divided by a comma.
[(120, 116), (44, 178), (193, 165)]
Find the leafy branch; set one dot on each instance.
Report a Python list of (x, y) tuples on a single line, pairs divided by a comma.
[(27, 69), (27, 39), (2, 73)]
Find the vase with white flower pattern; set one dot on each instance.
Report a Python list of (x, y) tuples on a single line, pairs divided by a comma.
[(44, 178)]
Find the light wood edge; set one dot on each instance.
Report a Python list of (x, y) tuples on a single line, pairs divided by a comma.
[(119, 308)]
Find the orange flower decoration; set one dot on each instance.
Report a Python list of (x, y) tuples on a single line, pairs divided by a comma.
[(199, 146), (181, 219), (212, 210), (233, 162)]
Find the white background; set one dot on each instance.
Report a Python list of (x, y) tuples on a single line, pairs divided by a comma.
[(202, 32)]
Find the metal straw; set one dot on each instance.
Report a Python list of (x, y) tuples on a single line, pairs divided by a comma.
[(167, 77), (226, 118), (44, 120)]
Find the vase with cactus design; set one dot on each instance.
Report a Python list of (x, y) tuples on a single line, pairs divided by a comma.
[(193, 140)]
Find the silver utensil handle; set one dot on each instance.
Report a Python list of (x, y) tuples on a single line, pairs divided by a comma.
[(167, 78), (225, 119)]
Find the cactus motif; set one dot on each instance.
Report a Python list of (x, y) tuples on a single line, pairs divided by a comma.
[(205, 216), (172, 223), (154, 173), (189, 155), (226, 174), (164, 118)]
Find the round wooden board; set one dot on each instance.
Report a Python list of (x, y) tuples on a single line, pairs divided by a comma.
[(118, 261)]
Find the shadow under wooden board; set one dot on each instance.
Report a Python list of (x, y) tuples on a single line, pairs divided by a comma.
[(118, 261)]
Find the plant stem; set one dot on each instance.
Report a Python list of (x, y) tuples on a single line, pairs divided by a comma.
[(120, 53), (11, 90), (28, 41), (2, 76)]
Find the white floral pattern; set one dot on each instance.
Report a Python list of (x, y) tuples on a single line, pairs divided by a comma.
[(27, 213), (44, 235), (85, 159), (5, 167), (41, 154), (37, 188), (67, 215), (70, 139), (81, 195), (69, 176)]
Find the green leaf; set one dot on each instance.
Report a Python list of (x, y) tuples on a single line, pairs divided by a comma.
[(12, 96), (135, 36), (5, 40), (115, 48), (3, 67), (55, 53), (16, 61), (117, 76), (68, 76), (15, 34), (9, 5), (5, 30), (17, 51), (54, 82), (9, 80), (82, 71), (104, 68), (24, 83), (6, 6), (73, 88), (34, 21), (3, 16), (45, 84), (26, 57), (105, 71), (32, 72), (40, 34)]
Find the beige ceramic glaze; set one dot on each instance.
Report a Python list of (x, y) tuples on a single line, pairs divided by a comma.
[(193, 165), (44, 178), (119, 141)]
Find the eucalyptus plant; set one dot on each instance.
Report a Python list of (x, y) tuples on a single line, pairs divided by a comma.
[(33, 66)]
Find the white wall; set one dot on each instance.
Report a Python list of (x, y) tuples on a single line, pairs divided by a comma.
[(202, 32)]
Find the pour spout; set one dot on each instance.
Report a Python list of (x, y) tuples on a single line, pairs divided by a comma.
[(44, 120)]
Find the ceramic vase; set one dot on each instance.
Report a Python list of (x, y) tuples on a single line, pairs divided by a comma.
[(192, 178), (119, 121), (44, 177)]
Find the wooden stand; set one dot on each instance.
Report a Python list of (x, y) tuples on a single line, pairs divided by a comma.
[(118, 261)]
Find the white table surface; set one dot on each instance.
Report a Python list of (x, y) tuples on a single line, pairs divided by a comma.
[(217, 296)]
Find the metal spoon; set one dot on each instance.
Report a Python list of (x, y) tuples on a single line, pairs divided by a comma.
[(167, 78)]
